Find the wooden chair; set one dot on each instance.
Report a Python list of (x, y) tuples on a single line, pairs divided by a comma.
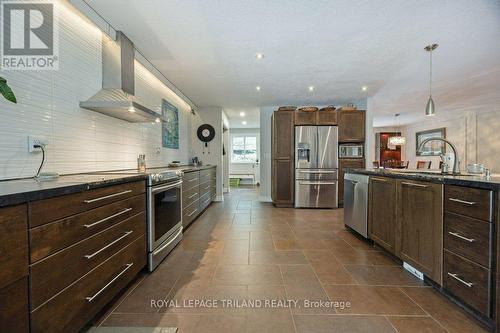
[(424, 164), (375, 164)]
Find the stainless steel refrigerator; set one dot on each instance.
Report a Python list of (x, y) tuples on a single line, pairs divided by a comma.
[(316, 166)]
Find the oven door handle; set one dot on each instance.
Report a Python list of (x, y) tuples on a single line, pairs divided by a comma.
[(156, 251), (166, 187)]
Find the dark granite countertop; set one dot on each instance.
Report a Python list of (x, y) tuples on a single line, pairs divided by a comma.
[(462, 180), (17, 191)]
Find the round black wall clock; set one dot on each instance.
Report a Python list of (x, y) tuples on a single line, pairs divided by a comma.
[(206, 133)]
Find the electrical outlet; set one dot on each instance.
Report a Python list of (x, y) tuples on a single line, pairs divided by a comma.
[(36, 140)]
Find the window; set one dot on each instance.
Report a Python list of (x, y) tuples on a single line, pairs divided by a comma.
[(244, 149)]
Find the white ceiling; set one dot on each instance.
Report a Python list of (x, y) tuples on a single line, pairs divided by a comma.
[(252, 117), (207, 49)]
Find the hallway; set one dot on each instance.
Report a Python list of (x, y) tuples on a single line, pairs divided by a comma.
[(308, 273)]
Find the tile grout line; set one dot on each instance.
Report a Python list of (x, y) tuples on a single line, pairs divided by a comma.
[(439, 323)]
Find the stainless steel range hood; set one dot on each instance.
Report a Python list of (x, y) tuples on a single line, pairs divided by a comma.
[(116, 98)]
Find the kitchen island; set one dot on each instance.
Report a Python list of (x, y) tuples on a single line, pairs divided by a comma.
[(444, 226)]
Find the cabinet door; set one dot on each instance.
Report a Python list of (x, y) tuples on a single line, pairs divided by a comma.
[(14, 315), (282, 178), (326, 117), (282, 135), (345, 164), (351, 125), (382, 212), (305, 118), (420, 223)]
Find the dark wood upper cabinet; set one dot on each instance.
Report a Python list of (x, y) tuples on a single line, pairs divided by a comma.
[(382, 220), (282, 134), (351, 125), (346, 164), (326, 117), (305, 118), (420, 224)]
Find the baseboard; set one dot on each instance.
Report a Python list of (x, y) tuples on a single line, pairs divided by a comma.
[(219, 198), (225, 190), (265, 198)]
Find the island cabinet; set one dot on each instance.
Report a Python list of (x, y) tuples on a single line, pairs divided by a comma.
[(468, 246), (420, 227), (382, 212), (282, 132)]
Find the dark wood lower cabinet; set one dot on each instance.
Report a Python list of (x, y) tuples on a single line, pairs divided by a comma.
[(283, 185), (382, 212), (72, 308), (14, 307), (420, 224)]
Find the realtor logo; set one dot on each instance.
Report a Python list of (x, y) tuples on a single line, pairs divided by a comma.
[(29, 35)]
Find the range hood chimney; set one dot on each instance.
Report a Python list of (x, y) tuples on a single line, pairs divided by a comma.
[(116, 98)]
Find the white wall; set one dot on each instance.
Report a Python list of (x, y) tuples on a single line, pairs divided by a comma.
[(213, 153), (80, 140), (476, 136), (245, 168)]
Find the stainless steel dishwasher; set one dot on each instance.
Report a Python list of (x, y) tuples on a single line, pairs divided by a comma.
[(356, 202)]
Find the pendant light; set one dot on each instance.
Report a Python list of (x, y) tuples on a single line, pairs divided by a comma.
[(397, 140), (430, 109)]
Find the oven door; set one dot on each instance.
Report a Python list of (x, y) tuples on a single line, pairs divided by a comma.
[(164, 213)]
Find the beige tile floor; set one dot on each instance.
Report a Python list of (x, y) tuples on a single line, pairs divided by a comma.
[(242, 249)]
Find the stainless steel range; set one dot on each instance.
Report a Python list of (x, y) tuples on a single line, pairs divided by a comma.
[(164, 211), (164, 200)]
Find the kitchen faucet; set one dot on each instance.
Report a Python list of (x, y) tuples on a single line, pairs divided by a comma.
[(456, 169)]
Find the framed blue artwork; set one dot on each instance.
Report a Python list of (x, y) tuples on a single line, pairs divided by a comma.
[(170, 125)]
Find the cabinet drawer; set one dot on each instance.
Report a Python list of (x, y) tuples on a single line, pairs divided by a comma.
[(52, 237), (207, 175), (190, 212), (56, 272), (190, 196), (14, 315), (468, 201), (467, 281), (13, 244), (468, 237), (204, 188), (205, 200), (44, 211), (71, 309), (190, 180)]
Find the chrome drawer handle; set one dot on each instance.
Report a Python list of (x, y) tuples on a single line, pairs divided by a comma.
[(107, 218), (191, 197), (206, 188), (455, 276), (107, 196), (207, 201), (470, 203), (191, 214), (379, 179), (456, 234), (415, 185), (90, 256), (91, 298), (192, 180), (317, 183)]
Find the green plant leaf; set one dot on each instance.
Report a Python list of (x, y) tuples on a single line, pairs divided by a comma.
[(6, 91)]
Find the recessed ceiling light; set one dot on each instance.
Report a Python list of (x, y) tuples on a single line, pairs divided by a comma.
[(364, 88), (257, 88), (311, 88), (242, 114), (244, 122), (259, 56)]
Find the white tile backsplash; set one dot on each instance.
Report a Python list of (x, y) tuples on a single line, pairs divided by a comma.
[(81, 140)]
